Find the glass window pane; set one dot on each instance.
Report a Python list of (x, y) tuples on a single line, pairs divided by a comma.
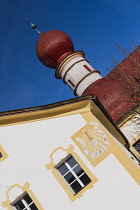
[(19, 205), (69, 177), (27, 199), (71, 161), (85, 179), (137, 146), (33, 207), (78, 170), (63, 169), (76, 186)]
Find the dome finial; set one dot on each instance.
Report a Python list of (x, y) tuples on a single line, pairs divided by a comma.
[(34, 27)]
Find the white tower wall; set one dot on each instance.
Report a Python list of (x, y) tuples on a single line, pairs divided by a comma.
[(78, 73)]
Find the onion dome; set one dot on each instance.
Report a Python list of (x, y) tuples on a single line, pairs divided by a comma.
[(52, 47)]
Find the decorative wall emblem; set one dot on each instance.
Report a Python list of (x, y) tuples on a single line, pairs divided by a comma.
[(93, 142)]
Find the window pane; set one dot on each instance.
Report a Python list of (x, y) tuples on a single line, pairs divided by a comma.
[(76, 186), (33, 207), (63, 169), (69, 177), (0, 154), (19, 205), (78, 170), (71, 161), (27, 199), (137, 146), (85, 179)]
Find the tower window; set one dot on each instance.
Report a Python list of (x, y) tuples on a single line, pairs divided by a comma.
[(71, 83), (137, 146), (87, 68), (24, 202), (73, 174)]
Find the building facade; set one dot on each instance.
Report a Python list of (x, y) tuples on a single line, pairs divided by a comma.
[(83, 153)]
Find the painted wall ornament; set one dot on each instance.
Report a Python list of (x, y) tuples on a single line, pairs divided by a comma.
[(93, 140)]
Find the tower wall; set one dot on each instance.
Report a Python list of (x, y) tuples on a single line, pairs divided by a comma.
[(118, 91), (77, 72)]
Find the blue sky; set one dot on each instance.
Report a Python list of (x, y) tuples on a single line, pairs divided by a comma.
[(93, 25)]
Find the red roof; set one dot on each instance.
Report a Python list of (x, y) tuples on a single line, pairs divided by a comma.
[(119, 90)]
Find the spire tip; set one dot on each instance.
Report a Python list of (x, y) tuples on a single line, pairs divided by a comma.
[(33, 26)]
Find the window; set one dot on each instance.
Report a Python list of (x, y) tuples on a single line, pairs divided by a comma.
[(1, 155), (24, 202), (87, 68), (71, 83), (73, 174), (137, 146)]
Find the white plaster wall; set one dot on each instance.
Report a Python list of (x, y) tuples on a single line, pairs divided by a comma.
[(29, 146)]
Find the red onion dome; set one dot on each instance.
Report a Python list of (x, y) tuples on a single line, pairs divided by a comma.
[(51, 46)]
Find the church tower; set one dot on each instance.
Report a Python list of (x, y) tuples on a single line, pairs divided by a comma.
[(56, 50), (118, 92)]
